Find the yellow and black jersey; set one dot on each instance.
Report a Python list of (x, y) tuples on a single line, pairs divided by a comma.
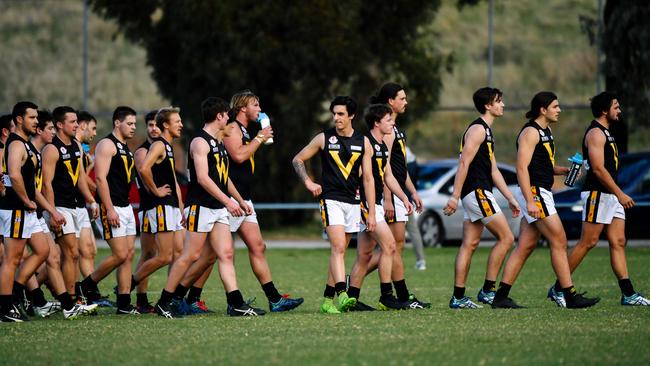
[(398, 158), (341, 161), (145, 197), (241, 174), (120, 173), (592, 183), (540, 168), (66, 174), (479, 173), (379, 159), (164, 173), (29, 171), (218, 165)]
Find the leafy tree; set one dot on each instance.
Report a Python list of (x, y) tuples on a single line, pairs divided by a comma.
[(295, 55)]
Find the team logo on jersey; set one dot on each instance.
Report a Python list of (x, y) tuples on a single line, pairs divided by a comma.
[(355, 148), (488, 132), (213, 143), (119, 145), (606, 132), (63, 150), (377, 147), (333, 140), (541, 133), (169, 148)]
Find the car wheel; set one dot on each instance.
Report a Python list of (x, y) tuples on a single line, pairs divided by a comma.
[(430, 229)]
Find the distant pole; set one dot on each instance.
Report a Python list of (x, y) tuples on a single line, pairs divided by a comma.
[(599, 48), (490, 41), (85, 56)]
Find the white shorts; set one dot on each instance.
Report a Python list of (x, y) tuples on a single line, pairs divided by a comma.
[(165, 218), (19, 224), (543, 199), (235, 222), (379, 215), (83, 217), (341, 213), (480, 205), (143, 220), (127, 222), (601, 208), (44, 227), (71, 226), (400, 210), (202, 219)]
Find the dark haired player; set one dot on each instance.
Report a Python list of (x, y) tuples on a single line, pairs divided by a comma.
[(343, 152), (604, 201), (535, 170), (476, 176)]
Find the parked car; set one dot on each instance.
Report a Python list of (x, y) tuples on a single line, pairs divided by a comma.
[(435, 185), (634, 178)]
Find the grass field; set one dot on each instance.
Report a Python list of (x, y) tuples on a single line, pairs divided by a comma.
[(541, 334)]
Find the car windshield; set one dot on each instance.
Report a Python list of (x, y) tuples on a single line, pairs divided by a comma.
[(630, 171), (429, 175)]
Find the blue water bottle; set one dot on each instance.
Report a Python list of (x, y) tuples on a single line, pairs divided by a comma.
[(576, 163)]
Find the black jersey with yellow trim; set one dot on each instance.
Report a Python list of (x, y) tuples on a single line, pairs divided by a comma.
[(164, 173), (379, 158), (610, 155), (540, 168), (479, 173), (241, 174), (120, 173), (398, 158), (145, 196), (341, 162), (218, 166), (29, 171), (66, 174)]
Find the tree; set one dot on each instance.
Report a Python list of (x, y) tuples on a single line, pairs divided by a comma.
[(295, 55)]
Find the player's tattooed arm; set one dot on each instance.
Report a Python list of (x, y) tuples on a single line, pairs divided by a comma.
[(299, 167)]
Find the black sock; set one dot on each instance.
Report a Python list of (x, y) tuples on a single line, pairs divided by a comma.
[(194, 295), (123, 301), (339, 287), (134, 282), (66, 300), (165, 297), (180, 292), (38, 297), (385, 288), (89, 284), (5, 304), (329, 292), (271, 292), (459, 292), (141, 299), (489, 286), (401, 290), (235, 299), (626, 287), (18, 291), (354, 292), (569, 293), (503, 291), (557, 286)]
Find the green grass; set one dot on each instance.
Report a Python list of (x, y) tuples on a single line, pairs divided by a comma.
[(542, 334)]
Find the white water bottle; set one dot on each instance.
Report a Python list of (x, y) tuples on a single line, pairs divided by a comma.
[(265, 122)]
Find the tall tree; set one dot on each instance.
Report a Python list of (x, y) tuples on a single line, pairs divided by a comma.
[(294, 54)]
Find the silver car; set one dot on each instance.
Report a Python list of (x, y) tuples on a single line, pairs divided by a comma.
[(435, 185)]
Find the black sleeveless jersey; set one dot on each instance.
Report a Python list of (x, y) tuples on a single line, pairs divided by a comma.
[(540, 168), (164, 173), (38, 178), (120, 173), (479, 173), (145, 197), (592, 183), (66, 175), (341, 161), (29, 170), (218, 165), (398, 158), (379, 158), (241, 174)]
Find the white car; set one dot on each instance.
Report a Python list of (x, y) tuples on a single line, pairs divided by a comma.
[(435, 185)]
